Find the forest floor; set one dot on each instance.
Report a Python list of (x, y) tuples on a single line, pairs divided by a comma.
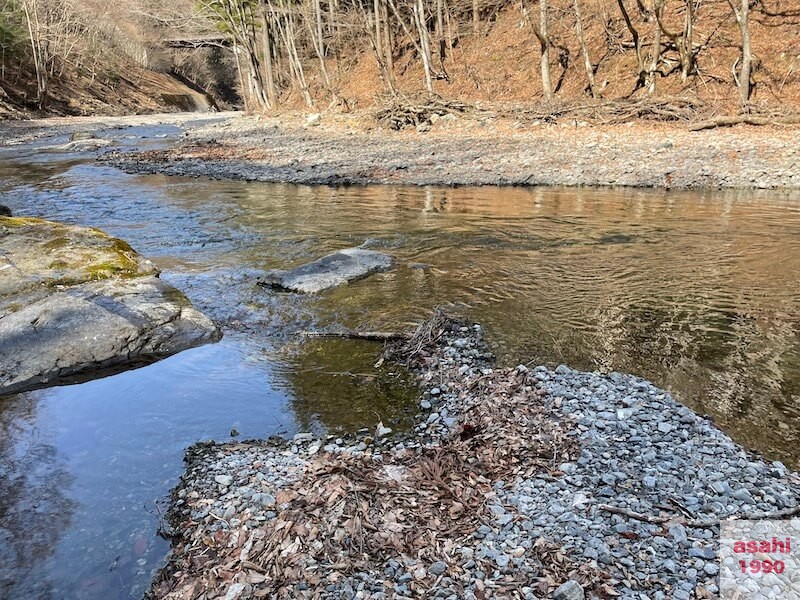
[(479, 148)]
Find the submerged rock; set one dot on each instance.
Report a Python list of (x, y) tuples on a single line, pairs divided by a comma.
[(330, 271), (75, 302)]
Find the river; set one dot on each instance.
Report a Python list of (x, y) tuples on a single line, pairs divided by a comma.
[(697, 291)]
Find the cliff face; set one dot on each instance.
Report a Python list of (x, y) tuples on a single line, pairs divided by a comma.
[(136, 90)]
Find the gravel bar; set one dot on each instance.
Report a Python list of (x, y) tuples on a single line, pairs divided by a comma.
[(628, 504), (343, 149)]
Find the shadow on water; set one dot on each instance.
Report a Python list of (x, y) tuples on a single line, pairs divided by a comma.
[(695, 291)]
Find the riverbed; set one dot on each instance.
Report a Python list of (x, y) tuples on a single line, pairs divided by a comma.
[(697, 291)]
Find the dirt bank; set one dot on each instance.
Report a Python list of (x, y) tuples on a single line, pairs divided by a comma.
[(480, 149)]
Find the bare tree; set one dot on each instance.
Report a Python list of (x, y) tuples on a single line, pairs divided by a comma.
[(420, 20), (238, 19), (681, 40), (40, 46), (540, 30), (637, 45), (742, 79), (587, 63)]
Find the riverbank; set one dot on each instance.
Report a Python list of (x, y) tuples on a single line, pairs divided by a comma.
[(478, 149), (20, 132), (515, 483)]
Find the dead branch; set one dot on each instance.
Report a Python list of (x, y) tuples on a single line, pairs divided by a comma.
[(698, 523), (744, 120), (372, 336)]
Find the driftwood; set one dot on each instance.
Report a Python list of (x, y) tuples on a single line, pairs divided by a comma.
[(698, 523), (373, 336), (400, 112), (608, 112), (745, 120)]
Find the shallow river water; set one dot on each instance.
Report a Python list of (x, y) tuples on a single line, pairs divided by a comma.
[(699, 292)]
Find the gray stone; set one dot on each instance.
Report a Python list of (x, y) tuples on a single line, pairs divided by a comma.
[(225, 480), (437, 568), (330, 271), (75, 302), (569, 590)]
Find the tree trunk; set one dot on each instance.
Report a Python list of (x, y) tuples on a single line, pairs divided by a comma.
[(424, 42), (587, 63), (654, 60), (547, 86), (540, 31), (269, 70), (637, 44), (742, 15)]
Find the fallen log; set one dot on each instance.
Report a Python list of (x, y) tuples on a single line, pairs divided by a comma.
[(372, 336), (744, 120)]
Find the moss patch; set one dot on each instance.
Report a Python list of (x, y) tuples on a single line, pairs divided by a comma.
[(20, 221)]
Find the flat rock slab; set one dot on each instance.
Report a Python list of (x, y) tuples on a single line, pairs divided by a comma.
[(75, 302), (331, 271)]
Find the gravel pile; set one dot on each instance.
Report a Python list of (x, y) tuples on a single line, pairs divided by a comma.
[(549, 483), (643, 452)]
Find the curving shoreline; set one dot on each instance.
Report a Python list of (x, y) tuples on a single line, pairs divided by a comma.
[(348, 149), (513, 483)]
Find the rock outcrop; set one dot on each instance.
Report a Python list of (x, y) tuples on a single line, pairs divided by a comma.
[(75, 302), (330, 271)]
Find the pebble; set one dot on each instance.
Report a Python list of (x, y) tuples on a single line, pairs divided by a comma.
[(569, 590), (225, 480)]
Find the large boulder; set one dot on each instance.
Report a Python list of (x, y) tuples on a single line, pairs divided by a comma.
[(75, 303), (330, 271)]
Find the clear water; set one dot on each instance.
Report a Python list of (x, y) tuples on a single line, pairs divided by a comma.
[(696, 291)]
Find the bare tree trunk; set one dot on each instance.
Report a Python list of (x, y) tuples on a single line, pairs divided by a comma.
[(314, 26), (742, 15), (287, 31), (541, 33), (637, 44), (476, 17), (440, 35), (545, 44), (381, 49), (38, 48), (269, 70), (688, 42), (587, 63), (387, 39), (682, 41), (424, 42), (654, 60)]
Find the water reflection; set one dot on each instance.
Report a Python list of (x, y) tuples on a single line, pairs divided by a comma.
[(35, 508), (335, 388)]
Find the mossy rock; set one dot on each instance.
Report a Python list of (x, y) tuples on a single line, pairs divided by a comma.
[(76, 303), (39, 253)]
